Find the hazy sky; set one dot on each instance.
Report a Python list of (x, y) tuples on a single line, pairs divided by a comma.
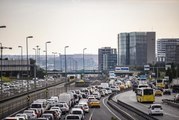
[(83, 23)]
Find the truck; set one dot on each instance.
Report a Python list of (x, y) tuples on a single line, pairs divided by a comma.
[(104, 85), (175, 85)]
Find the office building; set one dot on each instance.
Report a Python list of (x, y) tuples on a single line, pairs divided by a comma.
[(171, 53), (161, 47), (107, 58), (136, 48)]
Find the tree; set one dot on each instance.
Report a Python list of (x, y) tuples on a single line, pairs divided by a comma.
[(169, 73)]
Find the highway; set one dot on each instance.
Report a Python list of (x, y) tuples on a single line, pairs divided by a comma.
[(129, 97)]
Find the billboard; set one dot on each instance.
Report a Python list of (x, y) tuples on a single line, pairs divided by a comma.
[(146, 67), (122, 69)]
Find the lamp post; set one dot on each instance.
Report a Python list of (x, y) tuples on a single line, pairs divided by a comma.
[(39, 57), (28, 63), (46, 66), (37, 50), (60, 61), (1, 62), (35, 69), (65, 66), (84, 61), (54, 59), (21, 63)]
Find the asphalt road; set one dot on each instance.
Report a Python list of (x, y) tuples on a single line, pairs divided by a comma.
[(170, 113)]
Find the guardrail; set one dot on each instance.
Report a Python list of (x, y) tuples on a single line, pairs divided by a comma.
[(170, 102), (128, 107), (17, 104), (29, 92)]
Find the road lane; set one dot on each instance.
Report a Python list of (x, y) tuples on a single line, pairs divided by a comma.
[(170, 113)]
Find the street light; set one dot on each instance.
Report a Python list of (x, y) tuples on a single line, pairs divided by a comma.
[(65, 66), (60, 61), (3, 26), (37, 54), (35, 69), (21, 61), (46, 64), (54, 60), (84, 61), (1, 62), (28, 63)]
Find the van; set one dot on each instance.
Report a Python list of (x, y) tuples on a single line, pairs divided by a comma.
[(65, 97)]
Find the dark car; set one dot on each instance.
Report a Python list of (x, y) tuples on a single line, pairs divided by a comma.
[(166, 92)]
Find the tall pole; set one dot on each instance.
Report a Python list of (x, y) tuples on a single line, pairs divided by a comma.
[(28, 63), (21, 61), (54, 59), (60, 61), (1, 63), (37, 51), (2, 26), (46, 67), (65, 66), (35, 69), (84, 62), (39, 57)]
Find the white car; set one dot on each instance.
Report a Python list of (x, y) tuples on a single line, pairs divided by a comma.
[(31, 114), (77, 111), (73, 117), (155, 109), (58, 110)]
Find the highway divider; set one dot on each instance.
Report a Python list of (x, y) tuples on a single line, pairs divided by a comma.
[(170, 102)]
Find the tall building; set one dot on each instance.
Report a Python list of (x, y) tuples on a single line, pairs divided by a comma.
[(177, 54), (136, 48), (172, 53), (161, 47), (107, 58)]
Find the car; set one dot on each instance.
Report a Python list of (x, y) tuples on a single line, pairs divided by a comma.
[(158, 93), (11, 118), (58, 111), (97, 95), (54, 113), (31, 114), (73, 117), (42, 118), (94, 103), (63, 106), (77, 111), (176, 98), (155, 109), (166, 92), (22, 115), (48, 115)]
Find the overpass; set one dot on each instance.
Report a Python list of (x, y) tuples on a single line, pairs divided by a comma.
[(75, 72)]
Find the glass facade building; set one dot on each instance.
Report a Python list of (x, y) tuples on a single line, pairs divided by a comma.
[(107, 59), (136, 48), (162, 46)]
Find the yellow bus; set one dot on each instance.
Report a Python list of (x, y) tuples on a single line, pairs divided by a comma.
[(160, 83), (145, 95)]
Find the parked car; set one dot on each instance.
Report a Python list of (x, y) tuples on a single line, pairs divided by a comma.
[(155, 109)]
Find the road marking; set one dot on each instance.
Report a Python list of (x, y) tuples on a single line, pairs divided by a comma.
[(90, 118), (110, 110)]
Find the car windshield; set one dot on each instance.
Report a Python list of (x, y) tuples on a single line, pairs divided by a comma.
[(76, 112), (72, 117), (36, 106), (156, 106)]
